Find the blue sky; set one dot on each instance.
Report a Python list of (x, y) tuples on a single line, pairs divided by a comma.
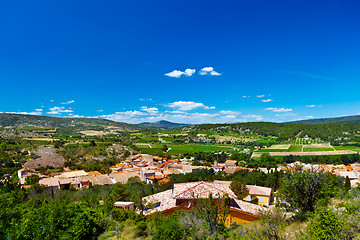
[(183, 61)]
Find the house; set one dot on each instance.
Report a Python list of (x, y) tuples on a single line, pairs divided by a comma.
[(125, 205), (24, 172), (185, 196), (123, 177), (262, 193), (67, 183), (51, 182), (191, 169), (218, 168), (230, 170), (230, 163), (74, 174), (103, 179)]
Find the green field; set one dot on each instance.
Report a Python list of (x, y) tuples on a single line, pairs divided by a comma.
[(295, 148), (181, 149), (352, 148), (317, 149)]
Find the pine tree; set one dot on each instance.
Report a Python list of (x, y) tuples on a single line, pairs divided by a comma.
[(347, 184)]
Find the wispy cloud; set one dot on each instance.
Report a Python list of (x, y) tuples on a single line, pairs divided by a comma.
[(35, 112), (278, 109), (188, 105), (245, 96), (209, 70), (267, 100), (260, 96), (151, 110), (68, 102), (257, 117), (176, 73), (312, 106), (229, 112), (59, 110)]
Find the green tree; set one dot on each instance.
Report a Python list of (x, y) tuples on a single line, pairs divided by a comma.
[(306, 190), (347, 185), (165, 148), (239, 188), (31, 180)]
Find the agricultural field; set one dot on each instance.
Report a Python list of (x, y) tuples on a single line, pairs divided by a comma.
[(352, 148), (309, 149), (156, 149), (298, 148), (295, 148), (305, 141)]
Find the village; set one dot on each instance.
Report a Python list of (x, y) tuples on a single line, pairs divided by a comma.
[(157, 170)]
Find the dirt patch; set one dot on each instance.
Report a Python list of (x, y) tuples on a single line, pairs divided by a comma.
[(318, 145), (48, 156), (280, 146)]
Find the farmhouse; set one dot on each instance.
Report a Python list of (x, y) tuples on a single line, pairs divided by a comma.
[(185, 196)]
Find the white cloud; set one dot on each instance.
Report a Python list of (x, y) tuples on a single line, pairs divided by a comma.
[(245, 96), (189, 72), (151, 110), (68, 102), (59, 110), (100, 110), (260, 96), (214, 73), (209, 70), (267, 100), (35, 112), (229, 112), (176, 73), (309, 117), (278, 109), (188, 105)]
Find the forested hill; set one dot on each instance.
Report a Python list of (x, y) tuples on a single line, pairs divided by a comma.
[(284, 131), (348, 119), (21, 120), (162, 125)]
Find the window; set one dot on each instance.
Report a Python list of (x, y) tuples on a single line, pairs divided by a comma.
[(261, 199), (248, 198)]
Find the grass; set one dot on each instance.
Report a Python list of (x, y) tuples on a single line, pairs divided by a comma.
[(181, 149)]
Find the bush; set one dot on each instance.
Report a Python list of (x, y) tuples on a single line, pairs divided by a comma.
[(325, 225), (169, 229)]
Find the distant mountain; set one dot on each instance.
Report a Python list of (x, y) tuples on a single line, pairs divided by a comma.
[(21, 120), (348, 119), (163, 124)]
